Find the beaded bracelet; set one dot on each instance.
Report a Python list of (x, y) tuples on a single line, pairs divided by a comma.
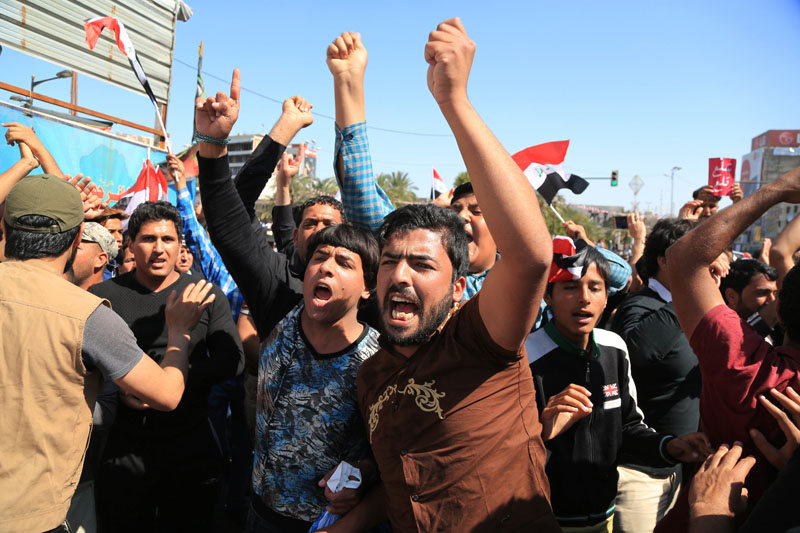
[(210, 140)]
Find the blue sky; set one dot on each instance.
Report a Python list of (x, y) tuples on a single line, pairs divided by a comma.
[(636, 86)]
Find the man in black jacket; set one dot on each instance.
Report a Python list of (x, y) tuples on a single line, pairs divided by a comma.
[(586, 397), (667, 376)]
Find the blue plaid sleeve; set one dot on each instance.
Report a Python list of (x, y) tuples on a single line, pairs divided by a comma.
[(619, 270), (364, 201), (206, 255)]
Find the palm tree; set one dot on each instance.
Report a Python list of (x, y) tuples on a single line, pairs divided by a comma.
[(398, 187), (325, 186)]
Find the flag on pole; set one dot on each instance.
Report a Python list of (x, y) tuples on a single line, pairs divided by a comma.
[(543, 165), (150, 186), (94, 27), (438, 187), (201, 89)]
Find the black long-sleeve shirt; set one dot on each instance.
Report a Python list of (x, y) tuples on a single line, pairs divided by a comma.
[(264, 276)]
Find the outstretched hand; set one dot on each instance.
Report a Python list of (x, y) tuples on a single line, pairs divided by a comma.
[(176, 171), (346, 55), (449, 54), (215, 116), (183, 312), (718, 487), (93, 205), (564, 409), (636, 227), (690, 448), (288, 167), (779, 457)]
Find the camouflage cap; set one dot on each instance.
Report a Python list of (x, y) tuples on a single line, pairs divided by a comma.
[(46, 195), (94, 232)]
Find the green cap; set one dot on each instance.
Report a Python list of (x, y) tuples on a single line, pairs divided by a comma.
[(46, 195)]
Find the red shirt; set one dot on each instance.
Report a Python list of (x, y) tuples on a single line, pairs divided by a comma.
[(737, 366)]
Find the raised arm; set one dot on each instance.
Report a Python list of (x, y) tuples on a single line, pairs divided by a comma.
[(365, 202), (784, 247), (283, 225), (694, 291), (638, 231), (21, 168), (260, 273), (254, 175), (18, 132), (513, 289)]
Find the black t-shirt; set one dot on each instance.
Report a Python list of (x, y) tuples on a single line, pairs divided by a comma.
[(215, 351)]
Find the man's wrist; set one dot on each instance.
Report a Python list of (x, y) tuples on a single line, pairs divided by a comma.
[(211, 151)]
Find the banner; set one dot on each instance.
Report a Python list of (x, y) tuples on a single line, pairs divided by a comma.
[(721, 174)]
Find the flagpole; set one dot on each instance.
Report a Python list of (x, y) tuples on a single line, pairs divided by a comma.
[(557, 213)]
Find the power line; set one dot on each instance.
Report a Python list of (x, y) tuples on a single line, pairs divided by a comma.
[(271, 99)]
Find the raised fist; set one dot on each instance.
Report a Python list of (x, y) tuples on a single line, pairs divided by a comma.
[(297, 109), (347, 55), (449, 54)]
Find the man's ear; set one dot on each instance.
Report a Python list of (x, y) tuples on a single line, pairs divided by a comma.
[(731, 297), (294, 237), (458, 289), (100, 261), (662, 263)]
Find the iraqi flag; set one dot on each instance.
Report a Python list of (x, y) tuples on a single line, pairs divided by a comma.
[(94, 27), (569, 260), (150, 186), (438, 188), (543, 165)]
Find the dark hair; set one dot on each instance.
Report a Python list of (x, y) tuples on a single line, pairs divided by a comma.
[(742, 272), (355, 239), (152, 211), (665, 233), (789, 303), (696, 193), (322, 199), (593, 256), (22, 245), (111, 212), (465, 189), (432, 218)]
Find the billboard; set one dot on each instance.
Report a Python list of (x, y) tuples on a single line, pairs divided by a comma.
[(111, 161), (776, 138), (750, 174), (53, 31)]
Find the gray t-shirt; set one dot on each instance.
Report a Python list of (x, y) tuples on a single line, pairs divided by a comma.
[(109, 344)]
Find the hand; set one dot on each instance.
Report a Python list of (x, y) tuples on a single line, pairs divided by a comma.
[(791, 402), (183, 312), (346, 55), (339, 502), (720, 268), (691, 210), (564, 409), (297, 110), (636, 227), (444, 200), (690, 448), (17, 133), (288, 167), (736, 193), (766, 245), (216, 116), (132, 400), (718, 486), (175, 169), (26, 155), (576, 231), (93, 205), (449, 54)]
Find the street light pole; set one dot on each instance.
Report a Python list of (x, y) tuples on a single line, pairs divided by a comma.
[(672, 190), (34, 83)]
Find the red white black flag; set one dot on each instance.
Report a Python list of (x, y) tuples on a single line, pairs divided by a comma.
[(543, 165), (438, 187)]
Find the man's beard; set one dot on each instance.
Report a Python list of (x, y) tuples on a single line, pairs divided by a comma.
[(429, 321)]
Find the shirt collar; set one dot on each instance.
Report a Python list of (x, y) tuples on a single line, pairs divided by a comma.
[(569, 346), (660, 289)]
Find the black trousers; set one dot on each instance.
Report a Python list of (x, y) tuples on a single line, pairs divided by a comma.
[(167, 485)]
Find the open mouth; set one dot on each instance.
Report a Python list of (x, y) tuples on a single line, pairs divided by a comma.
[(322, 292), (583, 317), (402, 308)]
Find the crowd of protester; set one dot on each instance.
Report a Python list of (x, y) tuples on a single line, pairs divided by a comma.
[(448, 366)]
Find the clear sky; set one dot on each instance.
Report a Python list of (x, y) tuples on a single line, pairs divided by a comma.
[(636, 86)]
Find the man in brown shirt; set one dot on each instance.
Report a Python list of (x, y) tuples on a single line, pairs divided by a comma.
[(448, 400)]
